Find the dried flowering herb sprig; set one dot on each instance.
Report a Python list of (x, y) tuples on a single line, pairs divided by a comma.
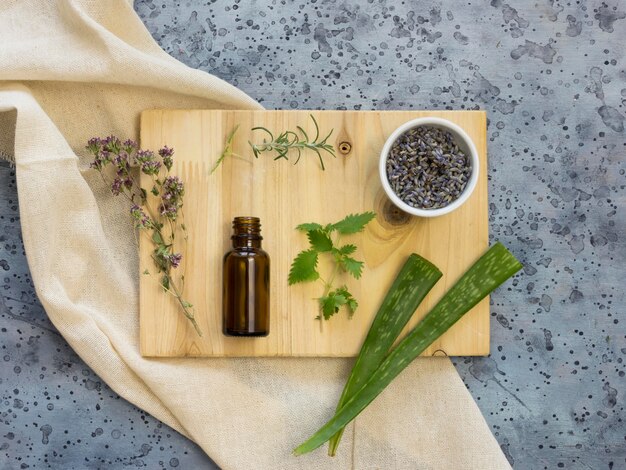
[(160, 217)]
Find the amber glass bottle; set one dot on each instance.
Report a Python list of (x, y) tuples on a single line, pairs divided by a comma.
[(246, 297)]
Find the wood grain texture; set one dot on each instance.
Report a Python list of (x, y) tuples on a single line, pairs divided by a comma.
[(283, 196)]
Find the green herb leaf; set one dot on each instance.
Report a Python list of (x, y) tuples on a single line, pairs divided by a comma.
[(165, 282), (352, 266), (320, 241), (303, 268), (327, 306), (146, 272), (308, 227), (331, 303), (161, 250), (156, 238), (351, 302), (346, 249), (353, 223)]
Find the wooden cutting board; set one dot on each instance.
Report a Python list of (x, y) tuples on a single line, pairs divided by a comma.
[(284, 195)]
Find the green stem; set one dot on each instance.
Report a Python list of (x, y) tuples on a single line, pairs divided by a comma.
[(329, 285), (184, 305)]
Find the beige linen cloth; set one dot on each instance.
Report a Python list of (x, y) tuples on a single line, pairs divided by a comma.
[(70, 70)]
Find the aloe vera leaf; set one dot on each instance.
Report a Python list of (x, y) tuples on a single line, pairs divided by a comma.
[(491, 270), (416, 278)]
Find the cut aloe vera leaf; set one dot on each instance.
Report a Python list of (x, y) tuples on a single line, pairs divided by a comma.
[(416, 278), (491, 270)]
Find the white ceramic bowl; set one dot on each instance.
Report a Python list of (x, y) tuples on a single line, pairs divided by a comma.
[(460, 138)]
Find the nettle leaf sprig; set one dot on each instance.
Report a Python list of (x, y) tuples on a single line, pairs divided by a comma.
[(156, 210), (325, 241)]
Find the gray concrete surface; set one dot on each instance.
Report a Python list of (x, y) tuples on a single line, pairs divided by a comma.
[(550, 75)]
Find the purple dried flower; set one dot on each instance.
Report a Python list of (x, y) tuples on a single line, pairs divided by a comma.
[(166, 151), (99, 161), (171, 197), (168, 161), (116, 186), (112, 144), (101, 157), (151, 167), (175, 259), (140, 217), (122, 165), (94, 145), (168, 210), (121, 158), (130, 145), (144, 156), (167, 154), (174, 185)]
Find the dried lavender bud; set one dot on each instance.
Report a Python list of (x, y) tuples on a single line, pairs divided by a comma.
[(426, 168)]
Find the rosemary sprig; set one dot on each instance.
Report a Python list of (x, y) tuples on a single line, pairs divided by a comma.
[(290, 140)]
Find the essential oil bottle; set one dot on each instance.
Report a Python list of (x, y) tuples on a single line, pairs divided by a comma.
[(246, 297)]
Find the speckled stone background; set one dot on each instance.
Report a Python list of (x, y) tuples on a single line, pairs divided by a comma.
[(550, 75)]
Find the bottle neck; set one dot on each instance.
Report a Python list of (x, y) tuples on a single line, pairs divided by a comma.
[(246, 242), (246, 233)]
